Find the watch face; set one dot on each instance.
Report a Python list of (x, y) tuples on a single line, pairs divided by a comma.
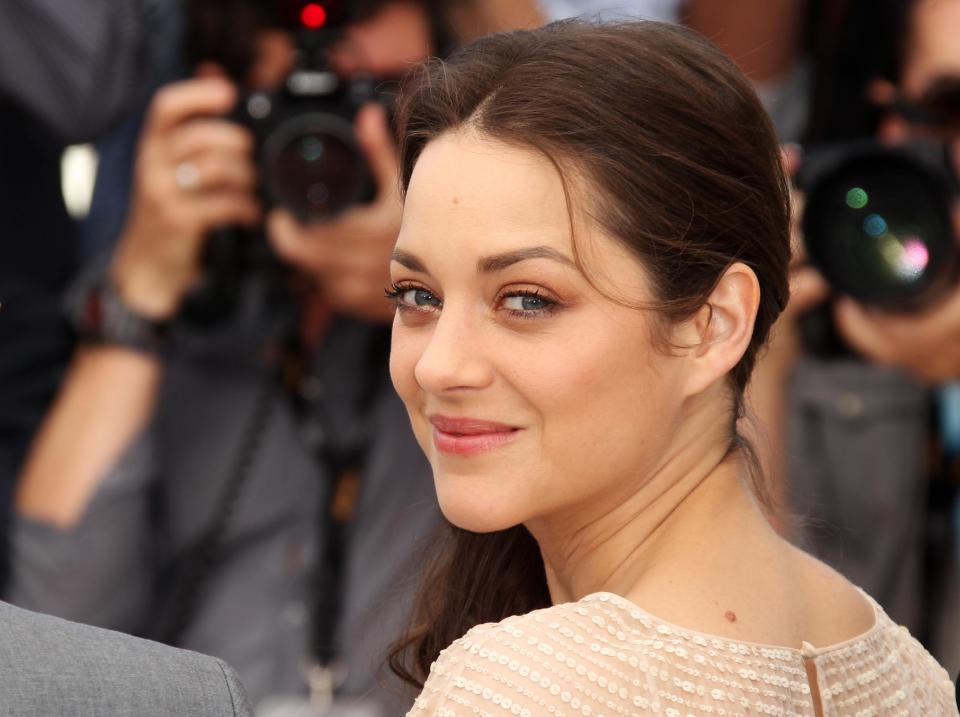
[(92, 319)]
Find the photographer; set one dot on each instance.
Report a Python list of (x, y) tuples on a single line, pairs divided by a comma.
[(865, 421), (178, 489)]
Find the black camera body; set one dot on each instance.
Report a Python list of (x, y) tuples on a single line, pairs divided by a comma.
[(878, 221), (306, 149)]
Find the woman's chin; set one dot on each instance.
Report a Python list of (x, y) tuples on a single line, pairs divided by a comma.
[(477, 517)]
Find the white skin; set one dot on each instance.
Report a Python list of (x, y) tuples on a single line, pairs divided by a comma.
[(618, 461)]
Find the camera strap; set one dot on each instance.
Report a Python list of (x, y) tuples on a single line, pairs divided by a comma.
[(323, 675), (336, 421), (182, 583)]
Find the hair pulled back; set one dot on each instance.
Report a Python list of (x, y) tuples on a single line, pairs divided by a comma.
[(680, 163)]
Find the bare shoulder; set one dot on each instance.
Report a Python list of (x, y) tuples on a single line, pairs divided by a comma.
[(837, 609)]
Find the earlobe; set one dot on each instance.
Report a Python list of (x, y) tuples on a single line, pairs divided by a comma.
[(724, 327)]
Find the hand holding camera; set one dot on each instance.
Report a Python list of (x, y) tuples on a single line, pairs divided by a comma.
[(349, 255), (194, 173)]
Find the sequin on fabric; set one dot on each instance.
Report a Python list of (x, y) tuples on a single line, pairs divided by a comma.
[(603, 656)]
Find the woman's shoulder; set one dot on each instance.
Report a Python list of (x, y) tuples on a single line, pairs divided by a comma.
[(596, 621), (574, 658), (605, 654)]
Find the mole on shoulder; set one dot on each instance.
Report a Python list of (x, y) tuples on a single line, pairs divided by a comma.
[(730, 615), (456, 200)]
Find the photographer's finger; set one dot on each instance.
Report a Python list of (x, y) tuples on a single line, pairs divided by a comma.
[(860, 329), (373, 133), (215, 171), (807, 290), (295, 243), (790, 158), (177, 102), (203, 135), (357, 296), (226, 208)]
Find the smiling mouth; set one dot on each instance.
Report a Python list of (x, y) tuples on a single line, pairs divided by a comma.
[(469, 437)]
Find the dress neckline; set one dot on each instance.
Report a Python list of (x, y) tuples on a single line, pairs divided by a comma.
[(806, 651)]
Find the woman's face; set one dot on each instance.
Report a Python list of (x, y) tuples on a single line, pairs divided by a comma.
[(531, 392)]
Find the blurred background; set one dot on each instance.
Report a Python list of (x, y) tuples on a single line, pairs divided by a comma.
[(198, 440)]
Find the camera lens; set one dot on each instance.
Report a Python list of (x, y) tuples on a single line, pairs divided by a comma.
[(314, 167), (878, 226)]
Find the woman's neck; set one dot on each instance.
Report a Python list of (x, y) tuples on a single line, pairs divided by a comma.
[(687, 513)]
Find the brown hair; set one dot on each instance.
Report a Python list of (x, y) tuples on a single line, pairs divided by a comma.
[(683, 168)]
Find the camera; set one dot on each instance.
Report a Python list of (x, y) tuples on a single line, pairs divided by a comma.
[(878, 221), (306, 150), (307, 154)]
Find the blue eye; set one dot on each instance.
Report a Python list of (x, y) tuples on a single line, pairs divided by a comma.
[(523, 302), (527, 304), (419, 297), (412, 297)]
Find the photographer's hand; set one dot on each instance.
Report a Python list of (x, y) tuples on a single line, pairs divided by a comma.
[(925, 344), (194, 173), (350, 255)]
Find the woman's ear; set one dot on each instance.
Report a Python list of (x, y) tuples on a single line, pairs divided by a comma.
[(723, 328)]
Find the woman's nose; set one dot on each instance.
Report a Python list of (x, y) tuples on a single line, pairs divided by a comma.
[(454, 358)]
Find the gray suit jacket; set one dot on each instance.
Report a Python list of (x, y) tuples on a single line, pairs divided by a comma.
[(53, 667)]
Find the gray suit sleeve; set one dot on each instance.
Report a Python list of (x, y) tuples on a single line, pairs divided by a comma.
[(78, 65), (53, 667), (100, 571), (238, 697)]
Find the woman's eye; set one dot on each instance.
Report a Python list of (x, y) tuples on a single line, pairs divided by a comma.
[(524, 303), (412, 297), (527, 303), (418, 297)]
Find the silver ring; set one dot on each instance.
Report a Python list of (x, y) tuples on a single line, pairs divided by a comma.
[(187, 176)]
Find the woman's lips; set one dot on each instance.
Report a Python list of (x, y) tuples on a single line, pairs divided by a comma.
[(469, 436)]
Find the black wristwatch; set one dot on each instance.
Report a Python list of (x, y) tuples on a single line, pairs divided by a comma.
[(98, 314)]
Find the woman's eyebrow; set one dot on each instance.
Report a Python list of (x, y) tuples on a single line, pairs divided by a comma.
[(409, 261), (490, 264), (499, 262)]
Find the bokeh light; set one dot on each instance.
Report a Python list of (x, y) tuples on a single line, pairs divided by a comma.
[(874, 225), (916, 257), (907, 259), (857, 198)]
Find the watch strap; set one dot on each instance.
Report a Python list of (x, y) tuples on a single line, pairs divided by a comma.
[(99, 315)]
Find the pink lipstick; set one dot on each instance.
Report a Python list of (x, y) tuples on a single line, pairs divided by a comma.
[(469, 436)]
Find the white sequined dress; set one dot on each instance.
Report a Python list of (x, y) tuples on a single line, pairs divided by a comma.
[(604, 656)]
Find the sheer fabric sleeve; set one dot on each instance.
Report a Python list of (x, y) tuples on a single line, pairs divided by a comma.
[(468, 679), (543, 664)]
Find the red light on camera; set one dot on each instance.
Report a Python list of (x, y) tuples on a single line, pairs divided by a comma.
[(313, 16)]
